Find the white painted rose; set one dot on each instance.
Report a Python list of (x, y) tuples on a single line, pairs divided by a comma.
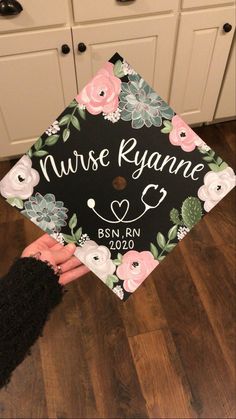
[(97, 258), (216, 186), (20, 180)]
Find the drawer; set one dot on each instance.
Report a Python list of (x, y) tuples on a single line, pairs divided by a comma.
[(36, 13), (188, 4), (89, 10)]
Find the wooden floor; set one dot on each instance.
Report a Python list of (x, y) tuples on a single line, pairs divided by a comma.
[(168, 352)]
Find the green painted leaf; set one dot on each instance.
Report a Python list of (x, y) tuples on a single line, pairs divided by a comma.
[(154, 250), (111, 279), (172, 233), (75, 122), (174, 216), (29, 152), (117, 262), (73, 221), (165, 130), (119, 256), (202, 151), (168, 127), (52, 140), (160, 258), (191, 211), (117, 69), (161, 241), (38, 144), (16, 202), (170, 247), (109, 282), (211, 152), (73, 104), (208, 158), (219, 160), (114, 278), (223, 166), (78, 233), (40, 153), (82, 113), (214, 167), (65, 119), (66, 134), (68, 238)]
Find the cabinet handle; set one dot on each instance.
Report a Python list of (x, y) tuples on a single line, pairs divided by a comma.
[(65, 49), (227, 27), (10, 8), (82, 47)]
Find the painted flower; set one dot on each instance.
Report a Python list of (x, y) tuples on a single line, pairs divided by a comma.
[(216, 186), (46, 212), (201, 144), (97, 258), (20, 180), (135, 267), (182, 135), (53, 129), (84, 237), (113, 116), (182, 232), (101, 94), (141, 105), (127, 69), (118, 291)]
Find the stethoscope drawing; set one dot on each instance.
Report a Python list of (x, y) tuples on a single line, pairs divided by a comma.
[(126, 205)]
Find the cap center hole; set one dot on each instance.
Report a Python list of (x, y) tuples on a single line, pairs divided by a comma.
[(119, 183)]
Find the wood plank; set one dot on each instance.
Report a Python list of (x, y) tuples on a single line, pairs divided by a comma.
[(109, 358), (194, 337), (25, 395), (161, 376), (212, 276), (143, 312)]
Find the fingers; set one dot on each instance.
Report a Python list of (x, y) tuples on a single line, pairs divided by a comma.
[(73, 274), (64, 254), (57, 246), (46, 240), (72, 263)]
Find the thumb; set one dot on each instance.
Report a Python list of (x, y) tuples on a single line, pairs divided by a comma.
[(64, 254)]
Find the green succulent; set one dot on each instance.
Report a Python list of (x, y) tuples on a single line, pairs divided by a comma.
[(191, 211), (46, 212), (141, 105)]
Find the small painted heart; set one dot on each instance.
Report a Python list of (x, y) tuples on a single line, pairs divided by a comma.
[(120, 209)]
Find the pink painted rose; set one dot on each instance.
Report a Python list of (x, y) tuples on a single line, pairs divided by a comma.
[(182, 135), (101, 94), (135, 267)]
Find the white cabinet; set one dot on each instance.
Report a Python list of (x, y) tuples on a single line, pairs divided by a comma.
[(150, 54), (35, 14), (36, 83), (226, 107), (92, 10), (201, 56)]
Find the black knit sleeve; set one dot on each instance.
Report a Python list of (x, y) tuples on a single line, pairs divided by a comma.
[(28, 293)]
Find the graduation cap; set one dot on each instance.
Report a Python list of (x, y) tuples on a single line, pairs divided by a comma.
[(120, 175)]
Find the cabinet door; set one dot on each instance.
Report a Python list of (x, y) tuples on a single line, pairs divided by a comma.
[(226, 107), (201, 56), (146, 43), (36, 83)]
